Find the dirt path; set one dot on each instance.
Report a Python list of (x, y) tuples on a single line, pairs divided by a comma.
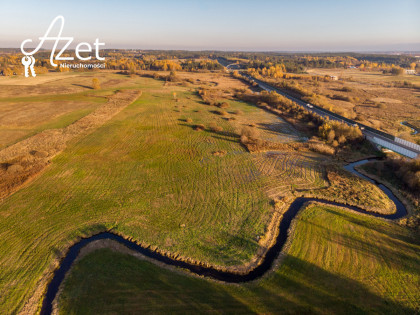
[(24, 160)]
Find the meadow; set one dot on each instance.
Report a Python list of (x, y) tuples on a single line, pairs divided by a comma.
[(51, 101), (337, 262), (197, 194), (380, 100)]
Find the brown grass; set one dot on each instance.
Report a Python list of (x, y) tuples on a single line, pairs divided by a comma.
[(378, 100), (321, 148)]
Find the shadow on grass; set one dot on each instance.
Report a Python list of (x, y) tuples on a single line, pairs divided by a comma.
[(129, 285), (83, 86), (388, 247)]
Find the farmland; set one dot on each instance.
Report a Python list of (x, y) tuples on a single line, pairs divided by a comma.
[(153, 175)]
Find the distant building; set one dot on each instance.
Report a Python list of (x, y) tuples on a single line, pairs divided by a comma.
[(409, 71)]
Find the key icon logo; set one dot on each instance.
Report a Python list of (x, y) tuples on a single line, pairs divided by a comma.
[(29, 62)]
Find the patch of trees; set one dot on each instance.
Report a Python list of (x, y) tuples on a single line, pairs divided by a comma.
[(297, 62), (397, 71), (294, 87), (337, 133), (408, 171), (195, 65)]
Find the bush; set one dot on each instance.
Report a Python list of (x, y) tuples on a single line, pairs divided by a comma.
[(408, 171), (347, 89), (238, 112), (343, 98), (189, 120), (249, 132), (199, 127), (221, 112), (95, 84), (172, 77), (334, 130), (397, 71), (214, 127), (223, 105)]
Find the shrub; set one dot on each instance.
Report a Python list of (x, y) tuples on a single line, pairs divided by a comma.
[(221, 112), (214, 127), (343, 98), (409, 172), (331, 135), (238, 112), (95, 84), (334, 130), (223, 105), (249, 132), (319, 100), (342, 139), (188, 120), (172, 77), (199, 127), (397, 71)]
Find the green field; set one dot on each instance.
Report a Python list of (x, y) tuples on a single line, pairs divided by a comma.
[(338, 262), (149, 176), (139, 175)]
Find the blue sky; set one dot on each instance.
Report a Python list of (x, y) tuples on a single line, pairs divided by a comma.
[(299, 25)]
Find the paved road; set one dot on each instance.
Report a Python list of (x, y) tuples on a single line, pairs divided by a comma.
[(379, 137)]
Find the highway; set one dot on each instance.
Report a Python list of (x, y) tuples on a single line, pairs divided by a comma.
[(378, 137)]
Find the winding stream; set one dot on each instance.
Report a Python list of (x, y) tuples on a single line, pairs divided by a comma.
[(225, 276)]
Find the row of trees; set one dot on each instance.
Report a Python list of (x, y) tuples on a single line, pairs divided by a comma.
[(129, 61), (333, 132)]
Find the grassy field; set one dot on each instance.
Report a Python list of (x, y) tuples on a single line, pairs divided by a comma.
[(338, 262), (140, 175), (52, 101), (148, 175), (24, 117), (379, 100)]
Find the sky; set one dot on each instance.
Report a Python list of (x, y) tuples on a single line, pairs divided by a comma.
[(298, 25)]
